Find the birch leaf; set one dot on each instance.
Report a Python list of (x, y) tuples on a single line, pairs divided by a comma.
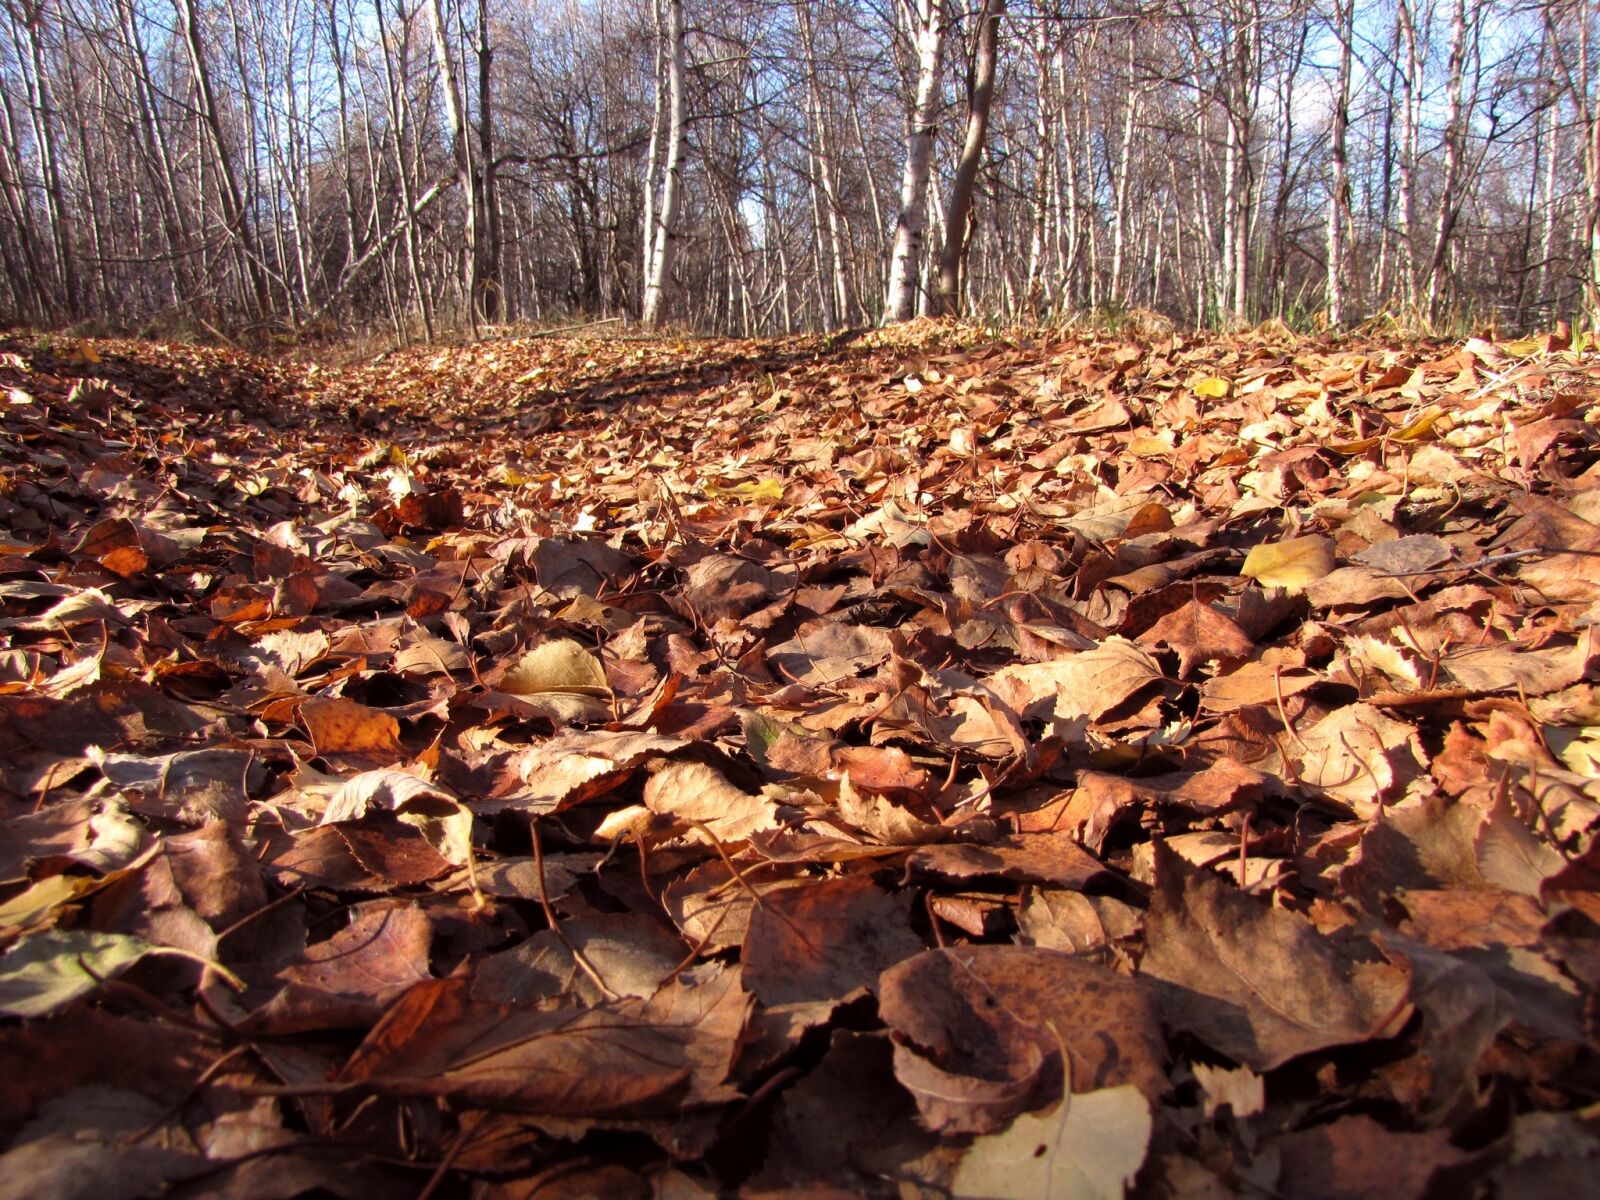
[(44, 972), (563, 665), (1289, 564), (1088, 1148)]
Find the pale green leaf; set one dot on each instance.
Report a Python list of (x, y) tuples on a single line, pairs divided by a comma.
[(42, 973)]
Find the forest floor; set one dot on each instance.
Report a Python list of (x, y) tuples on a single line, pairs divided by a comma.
[(593, 767)]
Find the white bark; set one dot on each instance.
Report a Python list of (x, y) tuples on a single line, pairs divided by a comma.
[(1590, 113), (651, 160), (665, 245), (1119, 218), (1454, 133), (905, 261), (1410, 70), (461, 150), (1339, 201)]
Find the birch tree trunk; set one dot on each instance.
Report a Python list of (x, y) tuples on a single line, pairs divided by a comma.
[(1339, 201), (234, 216), (1239, 192), (461, 150), (664, 245), (953, 253), (487, 264), (1119, 213), (1454, 133), (824, 190), (647, 248), (49, 162), (1410, 69), (905, 260), (1041, 194), (34, 295), (1548, 204), (399, 119), (1589, 111)]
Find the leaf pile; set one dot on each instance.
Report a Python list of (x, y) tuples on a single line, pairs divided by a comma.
[(914, 765)]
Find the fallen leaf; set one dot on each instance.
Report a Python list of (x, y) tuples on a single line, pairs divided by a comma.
[(1356, 1157), (1258, 983), (1200, 634), (627, 1057), (339, 726), (43, 972), (948, 1004), (701, 796), (438, 816), (1089, 1146), (1238, 1089), (828, 941), (562, 666), (1086, 684), (348, 980), (1292, 564), (1358, 754), (574, 743)]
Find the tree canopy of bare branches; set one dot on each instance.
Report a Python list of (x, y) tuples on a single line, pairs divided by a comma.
[(768, 166)]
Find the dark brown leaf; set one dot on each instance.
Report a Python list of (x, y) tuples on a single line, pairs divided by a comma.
[(1258, 983), (827, 941)]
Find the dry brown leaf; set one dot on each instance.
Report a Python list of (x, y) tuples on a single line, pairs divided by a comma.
[(1358, 755), (828, 941), (723, 665), (1258, 983), (559, 666), (343, 727), (347, 980), (1087, 684), (702, 797), (1200, 634)]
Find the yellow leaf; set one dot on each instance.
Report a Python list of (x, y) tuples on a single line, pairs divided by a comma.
[(1420, 426), (1213, 386), (40, 904), (1414, 430), (516, 478), (1578, 748), (563, 665), (763, 491), (1289, 564)]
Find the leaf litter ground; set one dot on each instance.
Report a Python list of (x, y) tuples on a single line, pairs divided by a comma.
[(909, 764)]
